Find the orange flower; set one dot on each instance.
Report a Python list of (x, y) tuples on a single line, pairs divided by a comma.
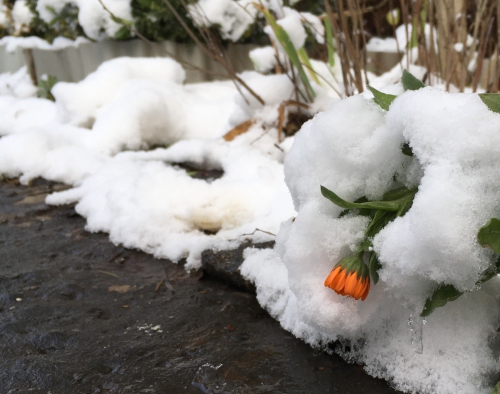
[(350, 278)]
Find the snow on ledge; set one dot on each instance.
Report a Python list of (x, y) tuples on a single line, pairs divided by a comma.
[(13, 43)]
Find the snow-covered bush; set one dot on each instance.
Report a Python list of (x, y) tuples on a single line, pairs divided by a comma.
[(360, 149), (49, 19)]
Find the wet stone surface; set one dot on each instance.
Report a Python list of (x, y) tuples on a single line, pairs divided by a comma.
[(81, 315), (224, 265)]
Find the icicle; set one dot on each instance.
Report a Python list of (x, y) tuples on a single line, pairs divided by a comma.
[(416, 325)]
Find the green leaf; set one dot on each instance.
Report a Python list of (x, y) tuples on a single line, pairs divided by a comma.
[(384, 100), (492, 101), (121, 21), (373, 267), (122, 34), (441, 296), (45, 88), (397, 193), (290, 50), (400, 204), (410, 82), (365, 246), (446, 293), (381, 219), (305, 60), (496, 390), (51, 9), (489, 235), (384, 205), (361, 212)]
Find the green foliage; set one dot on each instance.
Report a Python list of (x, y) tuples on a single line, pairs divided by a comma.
[(397, 200), (446, 293), (384, 100), (496, 390), (291, 52), (394, 203), (45, 87), (489, 235), (492, 100), (441, 296), (155, 21), (123, 33), (410, 82), (306, 61), (64, 24), (152, 19)]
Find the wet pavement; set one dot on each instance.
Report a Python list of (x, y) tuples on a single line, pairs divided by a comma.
[(81, 315)]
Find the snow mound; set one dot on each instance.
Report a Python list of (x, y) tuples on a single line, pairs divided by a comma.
[(354, 149), (79, 102), (145, 202)]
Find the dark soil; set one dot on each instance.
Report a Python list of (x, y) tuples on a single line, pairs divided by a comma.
[(81, 315)]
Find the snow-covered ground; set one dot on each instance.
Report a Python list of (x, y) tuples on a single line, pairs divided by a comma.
[(96, 137), (101, 136)]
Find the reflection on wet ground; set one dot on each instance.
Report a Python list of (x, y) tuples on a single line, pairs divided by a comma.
[(81, 315)]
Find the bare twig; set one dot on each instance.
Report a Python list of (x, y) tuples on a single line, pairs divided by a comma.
[(262, 231), (185, 64)]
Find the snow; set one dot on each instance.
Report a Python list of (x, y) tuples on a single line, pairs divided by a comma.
[(263, 58), (459, 46), (79, 102), (12, 43), (21, 15), (389, 44), (316, 26), (17, 84), (249, 107), (4, 20), (292, 24), (118, 137), (92, 135), (232, 17), (354, 149), (144, 203)]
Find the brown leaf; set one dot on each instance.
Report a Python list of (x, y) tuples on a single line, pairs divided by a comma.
[(119, 288), (238, 130)]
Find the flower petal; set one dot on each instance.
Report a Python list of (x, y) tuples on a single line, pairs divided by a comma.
[(350, 283), (339, 282), (331, 276), (359, 289), (367, 290)]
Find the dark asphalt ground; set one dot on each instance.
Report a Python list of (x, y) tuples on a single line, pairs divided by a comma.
[(81, 315)]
